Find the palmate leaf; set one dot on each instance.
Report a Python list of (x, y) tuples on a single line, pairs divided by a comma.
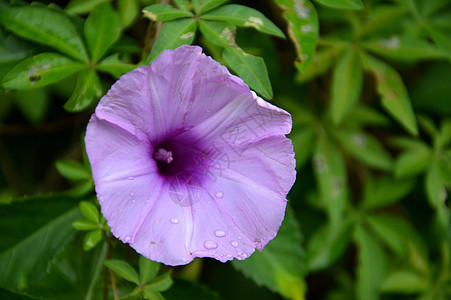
[(40, 70), (45, 26), (252, 69), (303, 29), (385, 191), (164, 12), (245, 17), (202, 6), (173, 34), (112, 65), (82, 6), (87, 91), (218, 33), (101, 30), (393, 93), (280, 266), (148, 269), (123, 269), (27, 252), (128, 11)]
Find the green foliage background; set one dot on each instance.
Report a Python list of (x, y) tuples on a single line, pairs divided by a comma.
[(368, 83)]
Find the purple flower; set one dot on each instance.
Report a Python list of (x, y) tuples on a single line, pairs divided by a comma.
[(188, 162)]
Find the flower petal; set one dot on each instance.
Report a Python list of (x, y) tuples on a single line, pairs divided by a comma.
[(115, 153)]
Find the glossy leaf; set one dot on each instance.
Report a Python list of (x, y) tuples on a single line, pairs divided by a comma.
[(123, 269), (371, 265), (89, 211), (347, 82), (252, 69), (435, 190), (114, 66), (159, 284), (245, 17), (202, 6), (280, 266), (151, 295), (84, 225), (92, 238), (342, 4), (40, 70), (303, 29), (218, 33), (45, 26), (364, 147), (173, 34), (393, 93), (22, 267), (101, 30), (182, 4), (72, 170), (164, 12), (87, 91)]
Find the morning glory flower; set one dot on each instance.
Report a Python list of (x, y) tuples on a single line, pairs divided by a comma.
[(188, 162)]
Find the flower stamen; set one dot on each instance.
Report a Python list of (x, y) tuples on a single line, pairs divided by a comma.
[(164, 155)]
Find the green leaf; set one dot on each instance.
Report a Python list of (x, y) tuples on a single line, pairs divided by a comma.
[(371, 265), (92, 238), (14, 49), (182, 4), (303, 29), (89, 211), (385, 191), (444, 136), (173, 34), (342, 4), (128, 12), (347, 82), (413, 162), (202, 6), (218, 33), (40, 70), (330, 173), (364, 147), (150, 295), (123, 269), (101, 30), (114, 66), (405, 49), (164, 12), (148, 269), (87, 91), (82, 6), (245, 17), (20, 266), (182, 290), (303, 142), (322, 61), (72, 170), (252, 69), (393, 92), (361, 116), (394, 231), (327, 245), (435, 190), (280, 266), (159, 284), (84, 225), (45, 26), (382, 19), (404, 282)]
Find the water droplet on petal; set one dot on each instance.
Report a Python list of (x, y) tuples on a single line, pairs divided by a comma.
[(220, 233), (234, 243), (229, 255), (239, 238), (147, 201), (219, 195), (127, 239), (174, 221), (133, 201), (130, 178), (244, 255), (131, 194), (210, 245)]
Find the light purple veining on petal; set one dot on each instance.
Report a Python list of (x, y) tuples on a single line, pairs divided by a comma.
[(188, 162)]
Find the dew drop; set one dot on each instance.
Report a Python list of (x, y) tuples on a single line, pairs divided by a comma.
[(131, 194), (174, 221), (229, 255), (234, 243), (130, 178), (239, 238), (244, 255), (133, 201), (220, 233), (127, 239), (219, 195), (210, 245), (147, 201)]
